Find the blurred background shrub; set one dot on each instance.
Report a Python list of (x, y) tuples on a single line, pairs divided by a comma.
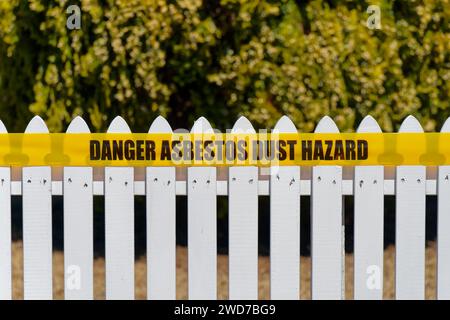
[(224, 58)]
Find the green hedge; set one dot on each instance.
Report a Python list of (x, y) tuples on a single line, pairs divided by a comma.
[(223, 58)]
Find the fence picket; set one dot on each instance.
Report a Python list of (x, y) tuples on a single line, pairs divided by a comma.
[(410, 226), (326, 226), (202, 228), (243, 226), (443, 224), (119, 225), (78, 226), (37, 226), (368, 225), (285, 225), (161, 244), (5, 230)]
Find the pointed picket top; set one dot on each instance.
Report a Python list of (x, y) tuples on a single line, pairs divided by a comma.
[(36, 125), (2, 127), (368, 124), (201, 125), (243, 125), (326, 125), (160, 125), (410, 124), (78, 125), (446, 126), (118, 125), (285, 125)]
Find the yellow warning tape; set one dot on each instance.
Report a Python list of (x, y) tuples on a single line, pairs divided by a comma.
[(185, 149)]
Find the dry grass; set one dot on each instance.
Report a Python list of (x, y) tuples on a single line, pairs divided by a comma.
[(222, 263)]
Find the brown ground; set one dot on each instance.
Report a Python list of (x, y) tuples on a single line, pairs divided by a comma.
[(222, 264)]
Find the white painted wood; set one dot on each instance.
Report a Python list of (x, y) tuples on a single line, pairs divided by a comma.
[(410, 226), (161, 235), (327, 239), (202, 226), (5, 229), (37, 226), (78, 226), (119, 226), (443, 234), (326, 187), (243, 226), (368, 225), (285, 225)]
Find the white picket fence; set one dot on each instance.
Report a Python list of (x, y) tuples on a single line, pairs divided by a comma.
[(325, 184)]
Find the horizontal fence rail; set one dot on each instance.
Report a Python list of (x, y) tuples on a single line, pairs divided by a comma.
[(388, 187), (326, 185)]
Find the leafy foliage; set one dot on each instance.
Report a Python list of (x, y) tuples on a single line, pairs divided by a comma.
[(223, 58)]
